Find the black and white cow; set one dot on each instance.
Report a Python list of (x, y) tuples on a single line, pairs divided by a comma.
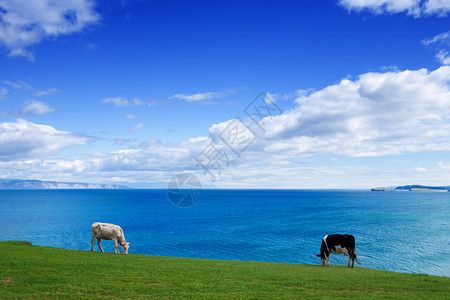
[(339, 244)]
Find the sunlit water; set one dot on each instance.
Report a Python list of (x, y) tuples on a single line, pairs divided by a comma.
[(395, 231)]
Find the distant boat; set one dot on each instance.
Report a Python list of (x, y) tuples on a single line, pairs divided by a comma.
[(381, 190)]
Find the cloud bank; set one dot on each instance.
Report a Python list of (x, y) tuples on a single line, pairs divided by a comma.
[(373, 115)]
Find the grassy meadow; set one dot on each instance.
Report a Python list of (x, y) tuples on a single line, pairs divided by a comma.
[(31, 272)]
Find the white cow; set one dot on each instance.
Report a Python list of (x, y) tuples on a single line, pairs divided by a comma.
[(109, 232)]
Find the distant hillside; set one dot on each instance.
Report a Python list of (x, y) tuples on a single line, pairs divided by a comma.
[(416, 186), (38, 184)]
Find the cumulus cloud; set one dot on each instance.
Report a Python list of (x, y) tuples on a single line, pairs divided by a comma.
[(416, 8), (377, 114), (37, 108), (27, 22), (25, 140)]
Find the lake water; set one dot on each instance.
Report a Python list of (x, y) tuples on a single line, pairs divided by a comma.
[(395, 231)]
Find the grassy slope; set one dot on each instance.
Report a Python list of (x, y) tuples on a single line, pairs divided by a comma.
[(43, 272)]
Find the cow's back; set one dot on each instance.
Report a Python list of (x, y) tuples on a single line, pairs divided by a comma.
[(343, 240), (106, 231)]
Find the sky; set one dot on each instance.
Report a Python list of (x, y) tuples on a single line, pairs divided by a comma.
[(242, 94)]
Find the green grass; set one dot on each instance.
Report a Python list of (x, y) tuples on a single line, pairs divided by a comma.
[(42, 272)]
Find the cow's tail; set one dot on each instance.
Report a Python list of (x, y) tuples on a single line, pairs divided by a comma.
[(356, 258)]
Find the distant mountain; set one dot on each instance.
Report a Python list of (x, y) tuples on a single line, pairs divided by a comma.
[(428, 187), (414, 188), (38, 184)]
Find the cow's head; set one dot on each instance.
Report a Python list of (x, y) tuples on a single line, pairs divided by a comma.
[(125, 247), (322, 257)]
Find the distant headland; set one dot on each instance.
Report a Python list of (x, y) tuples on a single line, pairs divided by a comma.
[(414, 188), (38, 184)]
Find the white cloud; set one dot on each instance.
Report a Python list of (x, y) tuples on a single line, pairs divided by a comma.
[(137, 127), (3, 93), (35, 107), (441, 42), (378, 114), (22, 140), (445, 166), (123, 102), (27, 22), (50, 91), (206, 97), (436, 39), (120, 142), (419, 170), (197, 97), (153, 155), (137, 102), (416, 8), (117, 101), (91, 46), (439, 7), (18, 85), (382, 6), (443, 57)]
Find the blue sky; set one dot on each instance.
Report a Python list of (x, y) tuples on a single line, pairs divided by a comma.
[(135, 92)]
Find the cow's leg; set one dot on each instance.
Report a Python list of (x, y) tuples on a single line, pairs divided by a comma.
[(93, 242), (328, 259), (116, 247), (351, 257), (99, 242)]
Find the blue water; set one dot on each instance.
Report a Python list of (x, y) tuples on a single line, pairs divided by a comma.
[(395, 231)]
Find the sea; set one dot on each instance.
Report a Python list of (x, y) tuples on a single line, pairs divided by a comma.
[(405, 232)]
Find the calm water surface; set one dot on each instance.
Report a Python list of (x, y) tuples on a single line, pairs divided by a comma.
[(395, 231)]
